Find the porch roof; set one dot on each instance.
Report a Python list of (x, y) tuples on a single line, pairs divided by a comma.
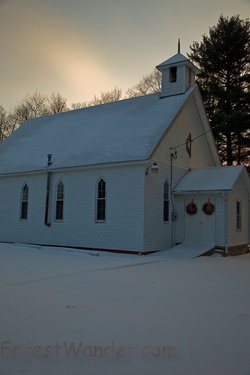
[(213, 179)]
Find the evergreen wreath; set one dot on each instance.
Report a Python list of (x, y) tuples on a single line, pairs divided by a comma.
[(191, 208), (208, 208)]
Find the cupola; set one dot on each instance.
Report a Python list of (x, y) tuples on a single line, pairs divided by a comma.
[(178, 74)]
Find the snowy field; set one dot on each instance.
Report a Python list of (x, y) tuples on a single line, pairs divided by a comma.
[(76, 312)]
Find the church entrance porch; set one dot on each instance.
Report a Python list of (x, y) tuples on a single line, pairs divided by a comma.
[(200, 220)]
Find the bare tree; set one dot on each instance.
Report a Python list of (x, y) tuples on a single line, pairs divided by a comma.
[(3, 123), (106, 97), (57, 103), (21, 113), (12, 124), (35, 105), (79, 105), (150, 83), (8, 124)]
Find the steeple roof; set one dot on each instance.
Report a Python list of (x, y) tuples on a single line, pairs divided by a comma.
[(177, 59)]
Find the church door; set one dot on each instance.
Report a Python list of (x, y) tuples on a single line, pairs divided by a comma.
[(200, 220)]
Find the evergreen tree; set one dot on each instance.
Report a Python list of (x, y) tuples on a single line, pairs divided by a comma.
[(224, 60)]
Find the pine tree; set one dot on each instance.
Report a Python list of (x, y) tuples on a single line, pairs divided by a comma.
[(224, 60)]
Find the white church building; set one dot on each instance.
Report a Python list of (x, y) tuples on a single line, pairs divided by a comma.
[(137, 175)]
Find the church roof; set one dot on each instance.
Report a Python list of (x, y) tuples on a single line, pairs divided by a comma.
[(122, 131), (213, 179)]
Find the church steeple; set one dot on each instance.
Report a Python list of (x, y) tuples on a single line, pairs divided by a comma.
[(178, 74), (179, 46)]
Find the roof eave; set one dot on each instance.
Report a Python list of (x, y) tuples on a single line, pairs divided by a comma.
[(77, 168), (167, 64), (214, 191)]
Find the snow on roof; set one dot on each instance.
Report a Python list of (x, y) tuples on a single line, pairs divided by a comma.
[(122, 131), (177, 60), (220, 179)]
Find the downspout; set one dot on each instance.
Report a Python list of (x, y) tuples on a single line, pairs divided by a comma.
[(226, 222), (46, 216), (248, 223), (173, 155)]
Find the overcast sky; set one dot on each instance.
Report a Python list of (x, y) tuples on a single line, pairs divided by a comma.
[(81, 47)]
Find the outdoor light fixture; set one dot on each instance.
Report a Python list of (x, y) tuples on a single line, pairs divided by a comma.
[(152, 168), (173, 153)]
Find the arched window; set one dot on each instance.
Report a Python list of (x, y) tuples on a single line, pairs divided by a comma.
[(166, 202), (238, 213), (24, 202), (59, 200), (101, 201)]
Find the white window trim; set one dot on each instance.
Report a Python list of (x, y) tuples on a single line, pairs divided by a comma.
[(96, 200), (23, 201), (239, 216), (56, 200), (166, 200)]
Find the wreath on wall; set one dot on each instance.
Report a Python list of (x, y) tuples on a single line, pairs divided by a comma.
[(191, 208), (208, 208)]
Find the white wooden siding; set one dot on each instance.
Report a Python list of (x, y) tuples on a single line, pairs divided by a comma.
[(179, 225), (189, 77), (123, 229), (173, 88), (158, 234), (188, 121), (238, 237), (221, 221), (185, 78)]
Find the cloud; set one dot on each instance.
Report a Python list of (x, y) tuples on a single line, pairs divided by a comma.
[(40, 52)]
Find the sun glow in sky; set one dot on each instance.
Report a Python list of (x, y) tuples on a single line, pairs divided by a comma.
[(81, 47)]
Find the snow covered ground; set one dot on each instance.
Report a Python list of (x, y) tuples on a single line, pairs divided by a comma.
[(75, 312)]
